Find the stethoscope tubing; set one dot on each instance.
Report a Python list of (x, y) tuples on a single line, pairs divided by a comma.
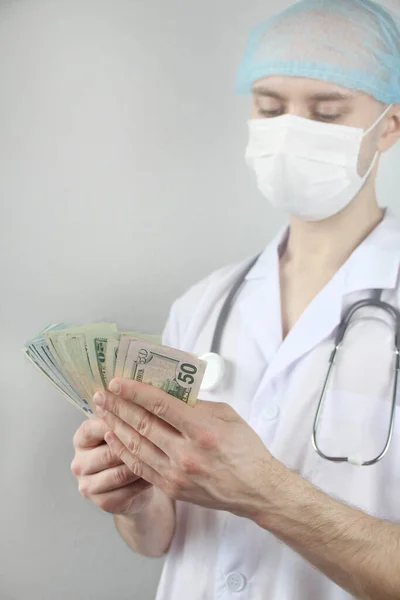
[(376, 301)]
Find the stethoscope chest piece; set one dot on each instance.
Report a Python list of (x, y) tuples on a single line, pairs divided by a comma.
[(215, 371)]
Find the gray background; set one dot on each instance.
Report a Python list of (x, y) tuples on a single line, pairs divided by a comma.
[(122, 182)]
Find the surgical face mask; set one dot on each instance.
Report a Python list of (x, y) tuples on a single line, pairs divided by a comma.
[(307, 168)]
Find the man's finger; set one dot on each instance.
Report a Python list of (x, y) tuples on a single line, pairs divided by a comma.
[(107, 481), (137, 467), (161, 434), (94, 460), (90, 434), (139, 447), (120, 500), (164, 406)]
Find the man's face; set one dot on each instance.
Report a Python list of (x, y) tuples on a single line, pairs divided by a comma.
[(328, 103)]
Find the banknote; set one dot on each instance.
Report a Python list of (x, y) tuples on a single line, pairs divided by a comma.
[(177, 373), (121, 354), (72, 347), (40, 355), (97, 351), (78, 361)]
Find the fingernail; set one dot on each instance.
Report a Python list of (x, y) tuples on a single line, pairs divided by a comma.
[(114, 387), (98, 399), (100, 412), (108, 438)]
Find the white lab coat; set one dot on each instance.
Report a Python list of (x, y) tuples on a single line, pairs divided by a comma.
[(275, 386)]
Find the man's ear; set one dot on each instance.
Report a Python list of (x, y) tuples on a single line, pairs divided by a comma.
[(391, 133)]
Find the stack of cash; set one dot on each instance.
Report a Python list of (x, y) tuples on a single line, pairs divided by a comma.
[(79, 361)]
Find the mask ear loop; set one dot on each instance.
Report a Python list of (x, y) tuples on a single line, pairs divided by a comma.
[(379, 119)]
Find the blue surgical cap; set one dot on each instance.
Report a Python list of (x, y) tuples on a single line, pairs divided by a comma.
[(354, 43)]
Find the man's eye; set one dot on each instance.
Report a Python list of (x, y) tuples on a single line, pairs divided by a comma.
[(271, 113), (324, 117)]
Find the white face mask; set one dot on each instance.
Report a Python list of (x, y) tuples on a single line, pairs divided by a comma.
[(307, 168)]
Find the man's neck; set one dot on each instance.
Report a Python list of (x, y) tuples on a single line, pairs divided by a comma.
[(328, 244)]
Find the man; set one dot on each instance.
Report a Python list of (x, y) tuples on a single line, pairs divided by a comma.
[(233, 490)]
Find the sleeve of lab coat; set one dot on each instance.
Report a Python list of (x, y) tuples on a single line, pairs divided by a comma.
[(180, 315), (196, 301), (170, 333), (182, 312)]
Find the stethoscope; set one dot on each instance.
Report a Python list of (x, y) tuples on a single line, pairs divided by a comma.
[(215, 371)]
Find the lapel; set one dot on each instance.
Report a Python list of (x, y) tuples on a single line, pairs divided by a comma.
[(259, 301), (373, 265)]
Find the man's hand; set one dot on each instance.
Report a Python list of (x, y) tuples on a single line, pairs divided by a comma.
[(102, 476), (207, 455)]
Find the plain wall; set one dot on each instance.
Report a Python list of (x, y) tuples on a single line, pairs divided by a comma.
[(122, 182)]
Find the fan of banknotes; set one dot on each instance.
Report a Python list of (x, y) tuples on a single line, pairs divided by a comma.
[(79, 361)]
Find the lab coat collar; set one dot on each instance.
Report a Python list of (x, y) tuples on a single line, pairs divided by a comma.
[(380, 252), (270, 257), (373, 265), (260, 302)]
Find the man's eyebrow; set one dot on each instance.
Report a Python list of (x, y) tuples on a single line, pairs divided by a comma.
[(320, 97), (332, 96), (262, 91)]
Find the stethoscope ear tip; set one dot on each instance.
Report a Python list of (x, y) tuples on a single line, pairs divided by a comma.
[(214, 373)]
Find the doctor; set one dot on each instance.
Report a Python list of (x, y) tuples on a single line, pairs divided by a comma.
[(233, 490)]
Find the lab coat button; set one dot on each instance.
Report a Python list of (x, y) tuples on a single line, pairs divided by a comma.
[(271, 412), (236, 582)]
